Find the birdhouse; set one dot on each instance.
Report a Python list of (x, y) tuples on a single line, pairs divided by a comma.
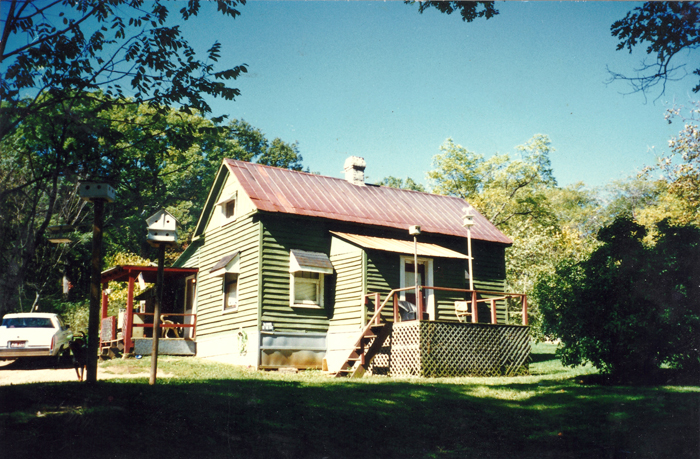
[(468, 218), (91, 191), (162, 228)]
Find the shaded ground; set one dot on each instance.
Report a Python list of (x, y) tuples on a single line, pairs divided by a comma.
[(23, 371), (213, 410)]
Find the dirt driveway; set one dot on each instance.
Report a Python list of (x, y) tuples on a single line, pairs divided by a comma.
[(41, 370)]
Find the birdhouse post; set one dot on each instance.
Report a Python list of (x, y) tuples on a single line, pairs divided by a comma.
[(98, 193), (162, 232)]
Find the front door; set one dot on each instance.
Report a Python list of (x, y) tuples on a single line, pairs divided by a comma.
[(424, 276)]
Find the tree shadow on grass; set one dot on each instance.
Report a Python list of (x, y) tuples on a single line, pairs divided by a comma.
[(373, 418)]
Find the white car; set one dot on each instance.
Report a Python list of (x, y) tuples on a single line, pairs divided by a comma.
[(34, 334)]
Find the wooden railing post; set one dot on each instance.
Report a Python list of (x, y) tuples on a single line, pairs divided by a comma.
[(396, 307), (377, 303), (494, 318), (525, 320), (475, 308), (419, 303)]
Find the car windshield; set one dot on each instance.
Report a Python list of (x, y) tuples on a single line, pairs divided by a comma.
[(27, 322)]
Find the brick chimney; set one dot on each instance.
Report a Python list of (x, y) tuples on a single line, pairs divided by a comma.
[(355, 170)]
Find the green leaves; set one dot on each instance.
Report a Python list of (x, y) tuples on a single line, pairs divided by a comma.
[(667, 28), (630, 307)]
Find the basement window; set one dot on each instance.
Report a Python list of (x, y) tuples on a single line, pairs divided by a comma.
[(307, 271)]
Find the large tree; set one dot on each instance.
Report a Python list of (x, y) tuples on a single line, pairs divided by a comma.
[(517, 193), (155, 160)]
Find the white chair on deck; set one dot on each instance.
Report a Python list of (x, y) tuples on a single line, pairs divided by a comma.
[(462, 310)]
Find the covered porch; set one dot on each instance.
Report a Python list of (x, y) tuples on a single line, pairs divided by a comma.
[(131, 331)]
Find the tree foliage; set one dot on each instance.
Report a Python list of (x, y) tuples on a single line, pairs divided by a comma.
[(502, 188), (630, 307), (519, 195), (155, 159), (667, 29), (408, 184), (59, 52), (469, 11)]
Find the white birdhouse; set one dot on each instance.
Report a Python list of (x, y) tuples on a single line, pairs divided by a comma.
[(162, 228), (91, 191), (468, 218)]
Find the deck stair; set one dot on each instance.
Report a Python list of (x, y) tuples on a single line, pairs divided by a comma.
[(368, 344)]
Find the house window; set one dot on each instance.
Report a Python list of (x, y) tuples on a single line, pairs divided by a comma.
[(230, 292), (307, 289), (307, 271), (228, 208), (228, 269)]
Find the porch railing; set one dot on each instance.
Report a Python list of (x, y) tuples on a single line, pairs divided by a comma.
[(164, 325), (487, 296)]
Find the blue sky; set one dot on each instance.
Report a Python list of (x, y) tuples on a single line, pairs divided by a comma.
[(379, 80)]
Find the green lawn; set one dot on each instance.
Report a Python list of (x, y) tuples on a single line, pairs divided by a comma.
[(209, 410)]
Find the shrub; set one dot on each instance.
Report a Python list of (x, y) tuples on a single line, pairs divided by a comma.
[(629, 308)]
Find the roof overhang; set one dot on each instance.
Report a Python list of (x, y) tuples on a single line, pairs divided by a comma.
[(229, 264), (150, 273), (315, 262), (399, 246)]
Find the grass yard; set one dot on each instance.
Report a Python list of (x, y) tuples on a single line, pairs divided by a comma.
[(210, 410)]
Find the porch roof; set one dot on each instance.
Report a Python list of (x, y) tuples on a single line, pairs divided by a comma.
[(123, 272), (399, 246)]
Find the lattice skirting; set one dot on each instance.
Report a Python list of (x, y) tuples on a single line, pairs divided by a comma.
[(439, 349)]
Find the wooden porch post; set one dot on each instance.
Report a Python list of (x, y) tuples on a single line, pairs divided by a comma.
[(419, 298), (525, 320), (129, 319), (105, 300), (494, 318), (475, 308)]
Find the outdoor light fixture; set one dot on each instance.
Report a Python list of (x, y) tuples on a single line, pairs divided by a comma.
[(468, 222), (415, 231)]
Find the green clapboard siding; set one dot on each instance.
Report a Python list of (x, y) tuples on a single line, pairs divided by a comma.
[(347, 305), (280, 235), (242, 235), (383, 276), (490, 274)]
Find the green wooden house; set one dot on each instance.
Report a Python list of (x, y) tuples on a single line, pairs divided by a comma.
[(290, 265)]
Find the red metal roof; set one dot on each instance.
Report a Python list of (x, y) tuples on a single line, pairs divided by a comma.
[(274, 189)]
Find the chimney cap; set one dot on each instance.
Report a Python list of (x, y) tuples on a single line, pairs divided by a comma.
[(355, 162)]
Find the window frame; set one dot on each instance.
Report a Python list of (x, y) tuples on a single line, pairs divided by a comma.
[(293, 279), (223, 204), (226, 280)]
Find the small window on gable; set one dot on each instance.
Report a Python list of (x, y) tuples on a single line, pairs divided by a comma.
[(307, 270), (228, 207), (228, 269)]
